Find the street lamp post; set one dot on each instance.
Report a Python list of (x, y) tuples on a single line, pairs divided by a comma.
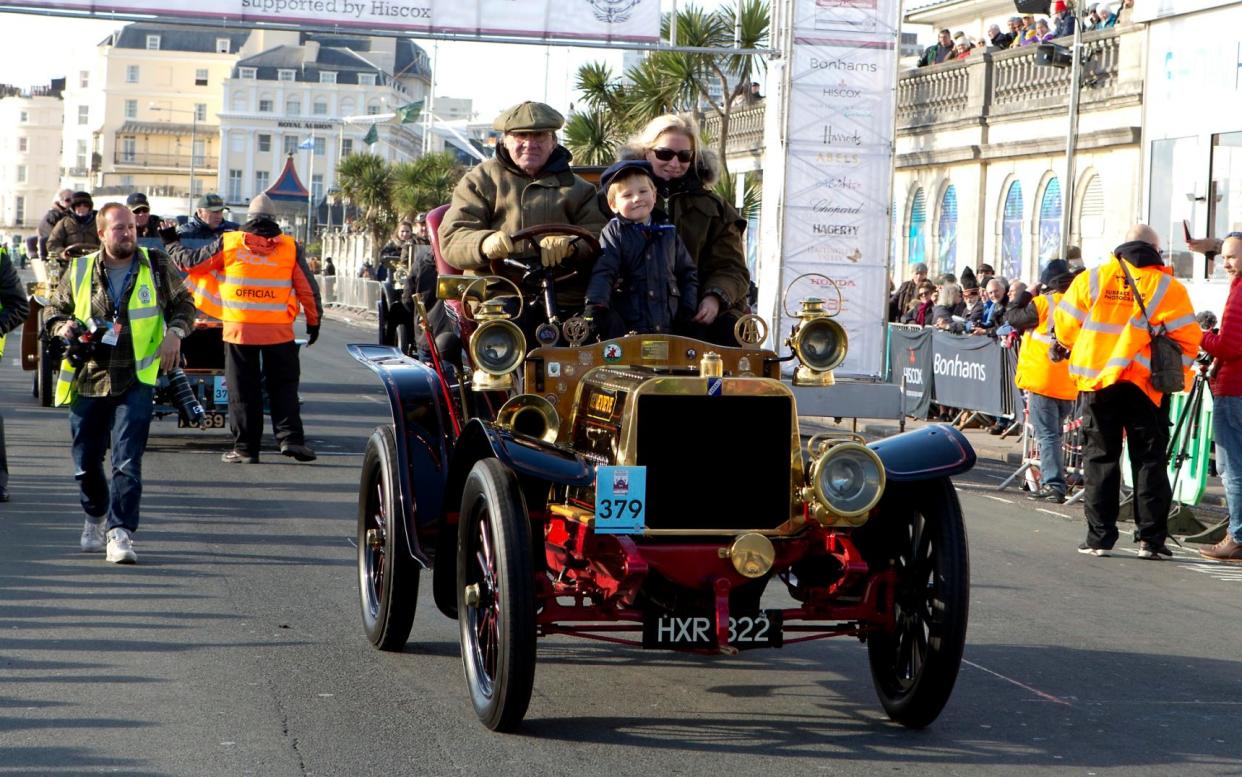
[(193, 140)]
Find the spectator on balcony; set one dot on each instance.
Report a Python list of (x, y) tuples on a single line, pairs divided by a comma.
[(1064, 20), (1000, 40), (1029, 35), (907, 293), (1043, 33), (962, 46), (939, 51)]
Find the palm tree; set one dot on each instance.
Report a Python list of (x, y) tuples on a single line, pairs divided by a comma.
[(672, 81), (366, 180), (425, 183)]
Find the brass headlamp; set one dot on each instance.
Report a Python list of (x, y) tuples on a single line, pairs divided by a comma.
[(497, 348), (819, 342)]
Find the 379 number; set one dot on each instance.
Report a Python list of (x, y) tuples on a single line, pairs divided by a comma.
[(619, 509)]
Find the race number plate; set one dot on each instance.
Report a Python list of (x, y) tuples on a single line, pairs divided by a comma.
[(210, 421), (760, 629), (620, 500), (220, 394)]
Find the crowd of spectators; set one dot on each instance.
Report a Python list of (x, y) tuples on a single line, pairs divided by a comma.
[(974, 303), (1024, 31)]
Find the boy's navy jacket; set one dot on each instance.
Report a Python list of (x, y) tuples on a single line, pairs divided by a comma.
[(644, 274)]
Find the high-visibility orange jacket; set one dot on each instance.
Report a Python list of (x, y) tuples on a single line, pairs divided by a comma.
[(253, 284), (1099, 320), (1036, 372)]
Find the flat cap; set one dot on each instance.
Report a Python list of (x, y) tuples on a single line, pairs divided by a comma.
[(529, 117), (210, 201)]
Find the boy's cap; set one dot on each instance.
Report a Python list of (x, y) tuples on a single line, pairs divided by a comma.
[(529, 117), (616, 168), (210, 202)]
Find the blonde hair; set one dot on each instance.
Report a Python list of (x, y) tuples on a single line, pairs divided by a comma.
[(670, 122)]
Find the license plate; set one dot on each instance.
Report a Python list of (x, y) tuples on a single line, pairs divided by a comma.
[(679, 632), (220, 394), (210, 421), (620, 500)]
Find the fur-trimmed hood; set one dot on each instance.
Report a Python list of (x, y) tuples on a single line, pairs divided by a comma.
[(706, 162)]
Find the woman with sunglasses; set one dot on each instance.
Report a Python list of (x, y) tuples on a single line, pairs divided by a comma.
[(710, 227)]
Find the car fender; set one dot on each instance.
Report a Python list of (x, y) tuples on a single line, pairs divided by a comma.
[(418, 420), (529, 458), (935, 451)]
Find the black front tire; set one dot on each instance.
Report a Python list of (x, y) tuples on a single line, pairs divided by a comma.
[(497, 623), (387, 573), (921, 534)]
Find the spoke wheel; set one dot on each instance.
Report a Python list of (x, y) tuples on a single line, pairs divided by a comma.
[(387, 573), (922, 536), (496, 596)]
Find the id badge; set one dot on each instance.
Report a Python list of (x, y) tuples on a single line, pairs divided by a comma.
[(113, 334)]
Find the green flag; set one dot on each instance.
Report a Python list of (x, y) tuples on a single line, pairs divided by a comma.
[(409, 113), (372, 136)]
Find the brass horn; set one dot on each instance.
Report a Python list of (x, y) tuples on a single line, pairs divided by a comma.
[(531, 415)]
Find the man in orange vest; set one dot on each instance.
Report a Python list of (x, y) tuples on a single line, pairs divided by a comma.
[(1050, 390), (254, 281), (1101, 323)]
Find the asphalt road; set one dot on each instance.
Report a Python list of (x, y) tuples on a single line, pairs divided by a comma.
[(234, 646)]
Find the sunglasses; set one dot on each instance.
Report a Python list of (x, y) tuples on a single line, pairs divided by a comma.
[(667, 154), (142, 210)]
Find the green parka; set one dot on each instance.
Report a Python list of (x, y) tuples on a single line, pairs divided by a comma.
[(497, 196)]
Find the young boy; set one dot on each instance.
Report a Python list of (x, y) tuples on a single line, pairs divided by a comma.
[(644, 280)]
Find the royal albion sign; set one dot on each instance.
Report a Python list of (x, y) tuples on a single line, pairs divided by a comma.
[(607, 20)]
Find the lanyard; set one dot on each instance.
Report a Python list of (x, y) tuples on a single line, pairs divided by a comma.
[(116, 296)]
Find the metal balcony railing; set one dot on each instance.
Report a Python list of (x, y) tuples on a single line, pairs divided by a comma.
[(123, 158)]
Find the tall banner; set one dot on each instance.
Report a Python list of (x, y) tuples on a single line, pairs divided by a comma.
[(910, 366), (607, 20), (969, 373), (832, 215)]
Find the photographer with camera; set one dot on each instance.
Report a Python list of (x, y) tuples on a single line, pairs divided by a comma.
[(1225, 347), (13, 309), (1043, 372), (122, 312)]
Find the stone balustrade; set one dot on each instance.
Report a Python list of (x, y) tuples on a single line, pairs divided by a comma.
[(745, 129)]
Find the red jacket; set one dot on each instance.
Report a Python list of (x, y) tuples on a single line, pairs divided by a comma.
[(1226, 345)]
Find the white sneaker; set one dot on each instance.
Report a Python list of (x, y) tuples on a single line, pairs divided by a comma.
[(93, 535), (121, 547)]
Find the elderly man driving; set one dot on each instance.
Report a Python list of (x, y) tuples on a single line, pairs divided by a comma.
[(528, 183)]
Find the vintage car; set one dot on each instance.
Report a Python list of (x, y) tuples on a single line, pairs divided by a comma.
[(604, 498)]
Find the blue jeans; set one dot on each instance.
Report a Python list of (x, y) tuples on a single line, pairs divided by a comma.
[(1227, 431), (124, 420), (1047, 416)]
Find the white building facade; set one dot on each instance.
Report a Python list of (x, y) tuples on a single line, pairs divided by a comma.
[(29, 153), (310, 96)]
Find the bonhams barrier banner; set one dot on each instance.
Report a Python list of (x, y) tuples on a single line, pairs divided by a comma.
[(608, 20), (969, 373), (910, 359), (959, 371)]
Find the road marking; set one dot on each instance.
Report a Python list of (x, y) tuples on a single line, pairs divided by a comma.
[(1052, 512), (376, 400), (1023, 686), (997, 498)]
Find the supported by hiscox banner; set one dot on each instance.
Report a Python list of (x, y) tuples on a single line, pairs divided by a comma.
[(628, 20)]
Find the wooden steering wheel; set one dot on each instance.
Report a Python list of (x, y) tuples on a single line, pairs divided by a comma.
[(543, 230)]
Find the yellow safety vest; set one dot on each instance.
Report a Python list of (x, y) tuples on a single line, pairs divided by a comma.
[(146, 321)]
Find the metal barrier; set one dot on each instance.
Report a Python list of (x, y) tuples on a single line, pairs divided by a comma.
[(1071, 451), (356, 293)]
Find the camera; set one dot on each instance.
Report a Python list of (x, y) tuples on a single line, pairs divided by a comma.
[(82, 342), (185, 399), (1057, 352)]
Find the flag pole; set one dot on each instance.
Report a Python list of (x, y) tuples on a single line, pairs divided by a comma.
[(310, 186)]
